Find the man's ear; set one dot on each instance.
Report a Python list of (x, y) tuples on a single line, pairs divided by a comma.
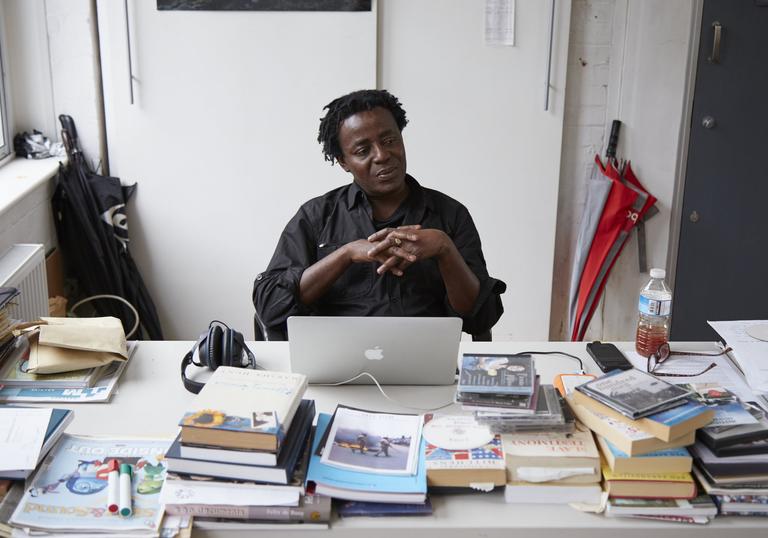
[(340, 160)]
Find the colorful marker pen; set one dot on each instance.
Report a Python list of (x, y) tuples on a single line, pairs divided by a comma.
[(126, 504), (113, 489)]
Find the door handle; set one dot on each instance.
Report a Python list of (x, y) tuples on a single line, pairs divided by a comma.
[(715, 57)]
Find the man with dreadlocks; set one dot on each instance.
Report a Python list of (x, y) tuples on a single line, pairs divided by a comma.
[(382, 245)]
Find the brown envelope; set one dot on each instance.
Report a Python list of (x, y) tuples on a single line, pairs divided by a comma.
[(66, 344)]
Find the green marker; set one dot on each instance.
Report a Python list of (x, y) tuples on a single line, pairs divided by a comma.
[(126, 504)]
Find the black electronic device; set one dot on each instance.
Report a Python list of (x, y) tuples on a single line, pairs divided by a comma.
[(608, 357)]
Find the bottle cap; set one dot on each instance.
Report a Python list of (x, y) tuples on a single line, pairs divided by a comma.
[(658, 273), (125, 468)]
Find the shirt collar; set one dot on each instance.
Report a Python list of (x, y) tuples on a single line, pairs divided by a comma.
[(417, 201)]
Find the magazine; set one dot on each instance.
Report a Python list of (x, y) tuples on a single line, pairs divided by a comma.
[(373, 442), (69, 492), (634, 393), (101, 391)]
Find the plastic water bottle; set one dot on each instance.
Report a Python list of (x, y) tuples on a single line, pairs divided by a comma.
[(655, 309)]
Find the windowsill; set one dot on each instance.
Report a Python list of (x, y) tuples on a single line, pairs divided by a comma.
[(20, 177)]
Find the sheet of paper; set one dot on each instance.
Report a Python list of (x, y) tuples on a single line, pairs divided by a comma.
[(500, 22), (211, 493), (723, 374), (750, 353), (22, 432)]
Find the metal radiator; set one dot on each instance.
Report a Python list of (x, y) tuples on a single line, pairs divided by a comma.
[(23, 266)]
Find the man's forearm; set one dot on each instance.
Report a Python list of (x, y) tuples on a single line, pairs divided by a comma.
[(317, 279), (460, 282)]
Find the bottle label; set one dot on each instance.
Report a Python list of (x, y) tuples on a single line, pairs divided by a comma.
[(654, 307)]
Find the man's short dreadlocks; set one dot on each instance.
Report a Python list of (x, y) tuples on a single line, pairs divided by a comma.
[(348, 105)]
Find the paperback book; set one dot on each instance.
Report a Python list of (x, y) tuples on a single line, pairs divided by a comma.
[(671, 460), (243, 408), (701, 506), (356, 485), (58, 421), (69, 493), (649, 485), (370, 441), (498, 374), (634, 393), (460, 452), (665, 425), (627, 437), (311, 508), (550, 457)]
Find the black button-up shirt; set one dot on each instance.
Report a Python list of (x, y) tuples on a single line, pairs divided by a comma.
[(328, 222)]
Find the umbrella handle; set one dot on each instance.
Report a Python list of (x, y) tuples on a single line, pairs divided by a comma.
[(613, 141), (69, 134)]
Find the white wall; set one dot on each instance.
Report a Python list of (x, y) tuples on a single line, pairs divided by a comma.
[(222, 141), (628, 61), (222, 138), (479, 132)]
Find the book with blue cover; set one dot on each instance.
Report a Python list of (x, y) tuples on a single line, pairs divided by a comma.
[(364, 486), (687, 416), (669, 460)]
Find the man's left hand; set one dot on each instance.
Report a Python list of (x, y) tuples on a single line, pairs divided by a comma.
[(406, 245)]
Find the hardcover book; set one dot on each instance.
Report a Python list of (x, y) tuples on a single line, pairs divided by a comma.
[(243, 408), (649, 485), (672, 460), (665, 425), (281, 473), (499, 374), (459, 452), (718, 437), (625, 436), (363, 486), (755, 464), (634, 393), (552, 457)]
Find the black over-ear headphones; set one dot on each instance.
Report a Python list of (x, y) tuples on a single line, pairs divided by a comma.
[(219, 346)]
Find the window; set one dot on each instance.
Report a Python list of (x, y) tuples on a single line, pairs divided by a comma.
[(6, 144)]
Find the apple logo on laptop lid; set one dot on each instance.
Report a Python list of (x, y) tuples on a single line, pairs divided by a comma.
[(374, 354)]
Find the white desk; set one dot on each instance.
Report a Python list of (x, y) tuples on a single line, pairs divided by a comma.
[(150, 400)]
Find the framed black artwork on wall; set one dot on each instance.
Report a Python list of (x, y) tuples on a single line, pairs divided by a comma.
[(264, 5)]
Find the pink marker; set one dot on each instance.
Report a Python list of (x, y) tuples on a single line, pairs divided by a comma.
[(113, 486)]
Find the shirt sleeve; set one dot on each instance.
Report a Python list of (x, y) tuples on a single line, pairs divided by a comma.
[(488, 307), (276, 290)]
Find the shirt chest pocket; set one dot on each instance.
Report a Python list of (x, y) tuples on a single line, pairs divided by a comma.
[(355, 282)]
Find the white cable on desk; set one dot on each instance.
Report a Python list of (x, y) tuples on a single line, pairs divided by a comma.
[(382, 392)]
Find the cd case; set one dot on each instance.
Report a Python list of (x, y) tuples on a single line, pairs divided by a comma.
[(497, 374), (634, 393)]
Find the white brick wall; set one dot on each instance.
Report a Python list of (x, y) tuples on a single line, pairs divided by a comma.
[(586, 103)]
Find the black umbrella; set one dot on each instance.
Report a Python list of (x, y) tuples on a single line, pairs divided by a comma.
[(91, 225)]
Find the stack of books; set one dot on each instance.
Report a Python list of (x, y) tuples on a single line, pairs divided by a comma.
[(738, 484), (642, 425), (553, 468), (503, 391), (367, 456), (245, 437)]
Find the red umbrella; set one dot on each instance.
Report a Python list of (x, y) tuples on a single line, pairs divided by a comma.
[(624, 206)]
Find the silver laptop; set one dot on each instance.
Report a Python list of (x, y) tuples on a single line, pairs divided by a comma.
[(394, 350)]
